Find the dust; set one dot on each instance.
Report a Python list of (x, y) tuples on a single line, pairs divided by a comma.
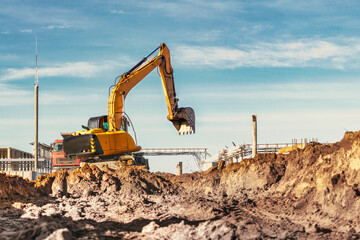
[(311, 193)]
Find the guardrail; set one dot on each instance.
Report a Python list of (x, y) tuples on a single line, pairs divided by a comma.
[(197, 153)]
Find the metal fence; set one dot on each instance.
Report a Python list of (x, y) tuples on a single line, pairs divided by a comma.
[(25, 164)]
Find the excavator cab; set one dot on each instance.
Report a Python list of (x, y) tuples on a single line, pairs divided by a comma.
[(97, 122), (102, 123), (125, 123), (96, 140)]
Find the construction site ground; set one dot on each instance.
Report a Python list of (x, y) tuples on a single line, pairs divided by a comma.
[(313, 193)]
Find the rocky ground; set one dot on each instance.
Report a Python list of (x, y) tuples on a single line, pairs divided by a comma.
[(312, 193)]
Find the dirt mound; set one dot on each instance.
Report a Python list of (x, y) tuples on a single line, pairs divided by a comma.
[(90, 180), (16, 188), (309, 193)]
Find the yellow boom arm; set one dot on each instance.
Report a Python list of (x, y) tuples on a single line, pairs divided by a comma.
[(182, 118)]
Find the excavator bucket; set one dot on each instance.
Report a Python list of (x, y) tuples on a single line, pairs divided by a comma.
[(184, 120)]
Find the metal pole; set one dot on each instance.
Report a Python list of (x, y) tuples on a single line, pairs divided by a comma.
[(36, 85), (254, 135), (36, 127)]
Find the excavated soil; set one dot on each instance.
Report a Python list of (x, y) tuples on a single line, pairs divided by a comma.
[(312, 193)]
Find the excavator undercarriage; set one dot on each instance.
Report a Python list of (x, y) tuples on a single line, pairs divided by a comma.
[(118, 161)]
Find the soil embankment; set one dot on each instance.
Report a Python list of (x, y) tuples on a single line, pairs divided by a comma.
[(308, 194)]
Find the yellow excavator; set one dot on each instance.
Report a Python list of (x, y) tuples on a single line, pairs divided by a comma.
[(106, 137)]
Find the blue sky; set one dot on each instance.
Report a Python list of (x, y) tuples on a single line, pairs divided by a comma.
[(294, 64)]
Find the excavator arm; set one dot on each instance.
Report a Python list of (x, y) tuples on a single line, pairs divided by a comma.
[(183, 119)]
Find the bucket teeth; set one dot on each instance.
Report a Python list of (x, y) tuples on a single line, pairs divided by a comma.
[(184, 120), (185, 129)]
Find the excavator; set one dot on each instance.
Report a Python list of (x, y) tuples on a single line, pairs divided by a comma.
[(106, 137)]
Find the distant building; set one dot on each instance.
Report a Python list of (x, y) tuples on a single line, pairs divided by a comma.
[(16, 162), (8, 152), (44, 150)]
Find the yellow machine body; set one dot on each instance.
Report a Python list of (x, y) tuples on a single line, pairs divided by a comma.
[(111, 142)]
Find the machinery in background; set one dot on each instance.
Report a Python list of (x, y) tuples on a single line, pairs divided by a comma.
[(58, 159)]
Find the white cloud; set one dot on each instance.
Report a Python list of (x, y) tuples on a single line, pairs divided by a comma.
[(315, 116), (320, 7), (118, 12), (301, 90), (14, 96), (188, 8), (279, 126), (25, 30), (79, 69), (46, 15), (50, 27), (201, 36), (301, 53), (13, 73), (227, 119), (70, 97), (9, 57), (72, 69)]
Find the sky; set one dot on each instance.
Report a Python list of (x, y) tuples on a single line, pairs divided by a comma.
[(294, 64)]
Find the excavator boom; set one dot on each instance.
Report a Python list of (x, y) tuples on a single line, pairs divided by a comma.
[(183, 119)]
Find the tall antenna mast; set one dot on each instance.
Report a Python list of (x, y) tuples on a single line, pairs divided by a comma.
[(36, 142), (36, 70)]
